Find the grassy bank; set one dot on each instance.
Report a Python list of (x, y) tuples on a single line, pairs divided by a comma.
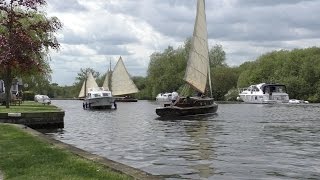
[(23, 156), (29, 106)]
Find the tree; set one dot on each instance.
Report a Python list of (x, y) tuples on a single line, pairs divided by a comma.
[(82, 75), (25, 38), (217, 56)]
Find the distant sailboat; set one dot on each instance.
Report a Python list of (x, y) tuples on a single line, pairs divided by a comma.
[(120, 83), (197, 74), (95, 96)]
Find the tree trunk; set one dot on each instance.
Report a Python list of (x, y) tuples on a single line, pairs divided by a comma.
[(7, 85)]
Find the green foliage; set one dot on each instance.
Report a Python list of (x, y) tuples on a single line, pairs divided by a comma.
[(166, 71), (217, 56), (232, 95), (28, 95), (223, 79)]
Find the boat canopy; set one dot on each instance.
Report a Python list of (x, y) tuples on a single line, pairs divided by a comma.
[(269, 88)]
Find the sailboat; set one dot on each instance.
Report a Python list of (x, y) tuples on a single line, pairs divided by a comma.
[(197, 74), (95, 97), (120, 83)]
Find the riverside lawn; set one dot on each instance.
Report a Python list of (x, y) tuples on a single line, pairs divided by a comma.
[(29, 106), (26, 157)]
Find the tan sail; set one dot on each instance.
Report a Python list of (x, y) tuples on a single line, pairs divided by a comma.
[(106, 81), (90, 83), (121, 82), (198, 63)]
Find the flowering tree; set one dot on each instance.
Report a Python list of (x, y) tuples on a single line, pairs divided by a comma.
[(26, 35)]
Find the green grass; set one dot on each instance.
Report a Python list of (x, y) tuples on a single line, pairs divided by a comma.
[(23, 156), (29, 106)]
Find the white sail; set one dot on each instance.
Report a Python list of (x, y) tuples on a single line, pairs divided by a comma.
[(89, 83), (106, 81), (198, 63), (121, 83)]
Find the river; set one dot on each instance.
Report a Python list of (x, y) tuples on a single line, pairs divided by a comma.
[(241, 141)]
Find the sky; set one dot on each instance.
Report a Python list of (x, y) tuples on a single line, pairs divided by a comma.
[(96, 32)]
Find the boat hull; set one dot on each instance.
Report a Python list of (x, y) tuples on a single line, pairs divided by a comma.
[(123, 99), (99, 103), (175, 111)]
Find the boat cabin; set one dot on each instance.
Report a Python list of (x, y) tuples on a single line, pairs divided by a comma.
[(96, 93), (264, 93)]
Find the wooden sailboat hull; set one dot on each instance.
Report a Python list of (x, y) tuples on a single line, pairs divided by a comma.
[(175, 111), (123, 99)]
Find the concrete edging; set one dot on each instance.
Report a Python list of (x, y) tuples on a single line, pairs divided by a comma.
[(116, 166), (54, 119)]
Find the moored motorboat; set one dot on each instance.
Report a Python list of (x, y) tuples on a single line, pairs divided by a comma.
[(264, 94), (164, 97)]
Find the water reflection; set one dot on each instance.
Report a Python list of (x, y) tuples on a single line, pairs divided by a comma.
[(203, 145)]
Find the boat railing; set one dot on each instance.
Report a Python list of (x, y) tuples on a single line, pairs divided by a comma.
[(242, 89)]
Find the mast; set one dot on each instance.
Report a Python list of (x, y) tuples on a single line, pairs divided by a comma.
[(110, 77), (85, 84)]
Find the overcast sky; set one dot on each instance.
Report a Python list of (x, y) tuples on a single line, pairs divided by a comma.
[(97, 31)]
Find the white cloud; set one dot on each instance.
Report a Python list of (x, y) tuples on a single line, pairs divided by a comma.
[(96, 31)]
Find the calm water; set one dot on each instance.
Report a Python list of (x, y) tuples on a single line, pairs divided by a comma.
[(241, 142)]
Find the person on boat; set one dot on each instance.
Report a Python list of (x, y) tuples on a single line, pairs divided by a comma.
[(115, 104), (174, 96)]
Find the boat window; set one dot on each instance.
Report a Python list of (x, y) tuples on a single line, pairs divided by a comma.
[(280, 89), (105, 94), (97, 95)]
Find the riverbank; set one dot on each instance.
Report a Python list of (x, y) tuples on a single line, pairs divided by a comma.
[(28, 154), (33, 114)]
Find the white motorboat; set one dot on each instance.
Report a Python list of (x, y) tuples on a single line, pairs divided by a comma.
[(95, 97), (98, 98), (264, 94), (164, 97)]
